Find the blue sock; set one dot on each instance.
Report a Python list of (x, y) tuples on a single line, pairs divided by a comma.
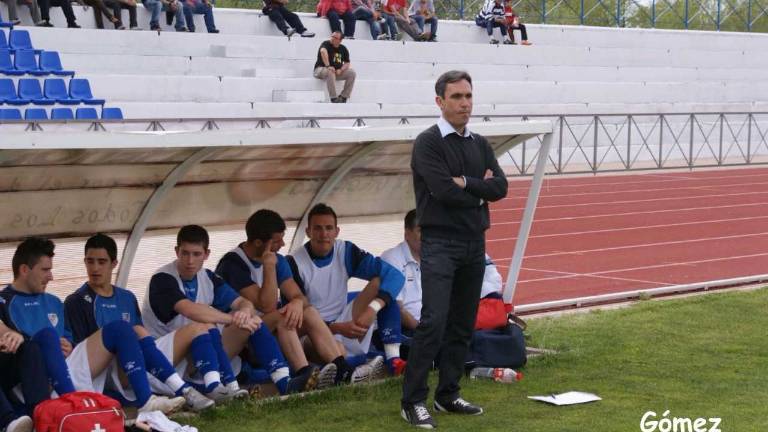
[(388, 320), (55, 365), (119, 339), (268, 354), (159, 366), (225, 367), (355, 361), (206, 361)]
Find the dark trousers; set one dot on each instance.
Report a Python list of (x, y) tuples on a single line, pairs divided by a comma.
[(117, 8), (99, 9), (523, 32), (280, 16), (25, 367), (65, 6), (451, 280), (349, 22), (491, 24)]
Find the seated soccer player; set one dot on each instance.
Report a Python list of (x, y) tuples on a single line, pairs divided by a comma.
[(40, 316), (322, 268), (21, 364), (183, 292), (261, 275), (406, 257), (98, 303)]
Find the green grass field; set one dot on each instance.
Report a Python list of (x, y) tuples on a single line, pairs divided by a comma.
[(703, 356)]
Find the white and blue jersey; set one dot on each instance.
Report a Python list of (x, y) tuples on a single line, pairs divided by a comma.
[(30, 313), (166, 288), (239, 271), (86, 312), (324, 279)]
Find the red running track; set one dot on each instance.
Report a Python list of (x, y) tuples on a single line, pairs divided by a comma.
[(606, 234)]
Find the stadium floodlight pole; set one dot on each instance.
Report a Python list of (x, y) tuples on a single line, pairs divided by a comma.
[(525, 224), (330, 184), (142, 222)]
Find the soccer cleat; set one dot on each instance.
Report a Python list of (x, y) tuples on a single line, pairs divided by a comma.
[(418, 415), (327, 376), (219, 394), (304, 382), (458, 406), (361, 374), (163, 404), (195, 400), (21, 424), (235, 392), (378, 368), (397, 366)]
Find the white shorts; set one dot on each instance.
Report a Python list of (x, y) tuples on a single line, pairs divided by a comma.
[(80, 373), (354, 346), (165, 345)]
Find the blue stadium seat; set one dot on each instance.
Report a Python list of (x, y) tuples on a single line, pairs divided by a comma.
[(55, 89), (10, 114), (26, 61), (3, 40), (6, 64), (111, 114), (8, 93), (51, 63), (86, 114), (29, 88), (19, 39), (4, 23), (62, 114), (80, 88), (35, 114)]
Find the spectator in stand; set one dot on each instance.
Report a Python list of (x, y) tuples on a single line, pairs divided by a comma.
[(66, 7), (173, 7), (199, 7), (117, 8), (423, 11), (513, 23), (397, 10), (333, 64), (13, 14), (280, 15), (491, 16), (99, 9), (364, 10), (335, 10)]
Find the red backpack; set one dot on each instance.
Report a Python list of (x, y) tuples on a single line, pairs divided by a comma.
[(80, 412)]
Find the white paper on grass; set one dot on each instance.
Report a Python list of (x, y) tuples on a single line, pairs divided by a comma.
[(569, 398)]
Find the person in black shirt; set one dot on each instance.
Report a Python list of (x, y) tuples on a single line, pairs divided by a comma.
[(455, 175), (280, 15), (333, 64)]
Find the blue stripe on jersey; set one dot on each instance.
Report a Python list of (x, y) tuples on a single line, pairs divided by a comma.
[(86, 312), (223, 294), (30, 313)]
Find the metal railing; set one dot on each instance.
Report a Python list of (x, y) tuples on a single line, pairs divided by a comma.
[(583, 143)]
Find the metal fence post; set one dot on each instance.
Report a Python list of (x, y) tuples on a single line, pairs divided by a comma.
[(660, 162), (543, 11), (686, 14), (629, 141), (618, 13), (720, 150), (461, 9), (581, 12), (594, 148), (749, 15), (749, 137), (560, 147), (718, 14), (690, 144), (653, 14)]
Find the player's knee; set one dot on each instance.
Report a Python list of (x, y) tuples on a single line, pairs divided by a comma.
[(120, 329)]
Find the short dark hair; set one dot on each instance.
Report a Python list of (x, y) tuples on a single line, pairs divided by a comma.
[(102, 241), (448, 78), (263, 224), (30, 251), (411, 220), (193, 234), (322, 209)]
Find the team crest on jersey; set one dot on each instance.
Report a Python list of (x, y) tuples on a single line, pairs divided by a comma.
[(126, 317), (88, 298), (54, 319)]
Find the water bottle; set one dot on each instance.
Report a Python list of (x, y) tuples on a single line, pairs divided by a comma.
[(505, 375)]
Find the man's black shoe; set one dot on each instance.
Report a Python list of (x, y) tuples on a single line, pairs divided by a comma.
[(418, 415), (458, 406), (341, 99), (306, 381)]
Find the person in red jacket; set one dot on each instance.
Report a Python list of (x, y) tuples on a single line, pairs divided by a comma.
[(513, 23), (335, 9)]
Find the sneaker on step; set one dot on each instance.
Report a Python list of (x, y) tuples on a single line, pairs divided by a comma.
[(494, 41), (307, 34), (163, 404), (195, 400), (21, 424), (382, 37), (305, 382), (458, 406), (136, 28), (43, 23), (362, 373), (418, 415), (508, 42), (290, 32), (327, 376)]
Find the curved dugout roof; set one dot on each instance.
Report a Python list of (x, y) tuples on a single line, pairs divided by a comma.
[(70, 184)]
